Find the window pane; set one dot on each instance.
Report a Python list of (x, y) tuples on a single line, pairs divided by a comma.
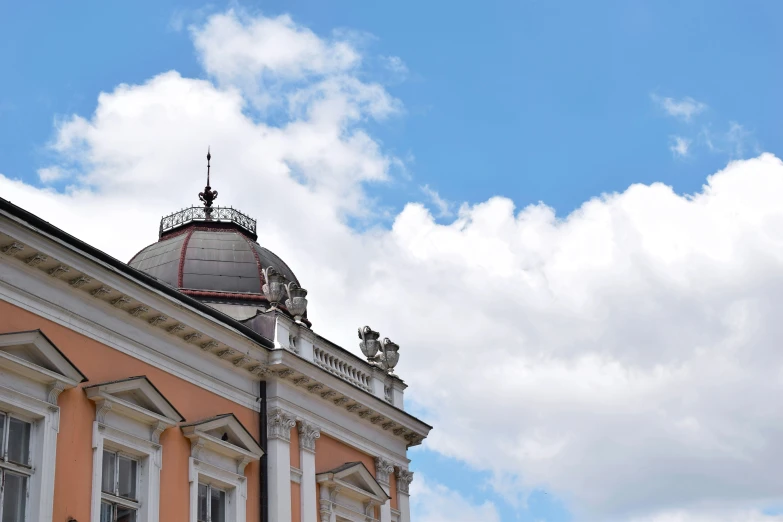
[(2, 429), (14, 497), (202, 503), (218, 506), (127, 477), (125, 514), (107, 477), (19, 441), (106, 512)]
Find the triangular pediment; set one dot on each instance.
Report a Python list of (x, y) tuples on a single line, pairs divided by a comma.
[(225, 434), (358, 478), (135, 397), (32, 354)]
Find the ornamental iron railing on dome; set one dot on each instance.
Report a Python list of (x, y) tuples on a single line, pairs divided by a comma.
[(206, 215)]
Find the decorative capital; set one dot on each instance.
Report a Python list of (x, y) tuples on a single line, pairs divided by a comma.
[(307, 434), (156, 430), (54, 391), (383, 468), (103, 409), (404, 479), (279, 424)]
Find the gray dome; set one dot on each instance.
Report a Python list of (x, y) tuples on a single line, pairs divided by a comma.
[(218, 264)]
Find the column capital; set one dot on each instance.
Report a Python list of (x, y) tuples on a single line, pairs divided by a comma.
[(404, 479), (308, 432), (279, 424), (383, 468)]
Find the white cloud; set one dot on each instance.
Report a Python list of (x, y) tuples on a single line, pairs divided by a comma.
[(443, 206), (53, 173), (622, 357), (713, 515), (433, 502), (680, 146), (683, 109)]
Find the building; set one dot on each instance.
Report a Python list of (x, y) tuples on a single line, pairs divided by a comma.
[(186, 385)]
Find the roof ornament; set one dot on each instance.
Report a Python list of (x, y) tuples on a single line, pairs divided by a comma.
[(389, 352), (209, 195), (296, 302), (274, 286)]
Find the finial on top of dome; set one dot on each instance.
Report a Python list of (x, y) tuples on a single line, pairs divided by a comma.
[(209, 195)]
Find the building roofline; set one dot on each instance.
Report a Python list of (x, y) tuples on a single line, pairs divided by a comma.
[(141, 277)]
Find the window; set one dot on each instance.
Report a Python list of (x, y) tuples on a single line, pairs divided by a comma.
[(119, 484), (211, 504), (15, 467)]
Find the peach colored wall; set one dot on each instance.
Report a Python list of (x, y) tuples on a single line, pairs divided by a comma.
[(331, 453), (296, 502), (73, 474)]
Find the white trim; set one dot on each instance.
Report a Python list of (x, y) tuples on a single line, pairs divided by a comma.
[(193, 367), (43, 448), (150, 456), (233, 484), (296, 475)]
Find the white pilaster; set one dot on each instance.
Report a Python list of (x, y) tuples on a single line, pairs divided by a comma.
[(404, 479), (383, 468), (279, 424), (307, 434)]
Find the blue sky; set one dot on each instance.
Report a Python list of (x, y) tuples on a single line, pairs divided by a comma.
[(534, 101)]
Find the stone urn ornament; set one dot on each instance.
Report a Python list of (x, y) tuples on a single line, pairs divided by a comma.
[(369, 342), (296, 302), (274, 286), (390, 355)]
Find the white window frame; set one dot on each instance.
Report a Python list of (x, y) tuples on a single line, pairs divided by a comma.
[(113, 499), (148, 454), (113, 416), (32, 379), (210, 487), (234, 485)]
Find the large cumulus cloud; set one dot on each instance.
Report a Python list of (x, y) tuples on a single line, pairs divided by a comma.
[(624, 356)]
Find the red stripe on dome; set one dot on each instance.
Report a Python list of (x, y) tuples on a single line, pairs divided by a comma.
[(181, 275), (258, 264)]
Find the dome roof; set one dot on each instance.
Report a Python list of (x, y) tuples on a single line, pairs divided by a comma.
[(211, 253), (215, 262)]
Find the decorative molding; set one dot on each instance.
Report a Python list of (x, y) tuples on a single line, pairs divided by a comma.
[(328, 394), (399, 431), (383, 468), (296, 475), (59, 269), (225, 354), (195, 336), (258, 369), (387, 425), (308, 433), (196, 446), (377, 419), (242, 463), (101, 290), (119, 301), (158, 319), (301, 381), (80, 281), (241, 361), (354, 407), (209, 345), (279, 424), (285, 373), (364, 414), (156, 430), (103, 409), (341, 401), (175, 328), (53, 391), (404, 479), (315, 388), (36, 259), (138, 311), (12, 249)]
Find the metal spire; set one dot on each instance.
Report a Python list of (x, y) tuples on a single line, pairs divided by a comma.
[(209, 195)]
